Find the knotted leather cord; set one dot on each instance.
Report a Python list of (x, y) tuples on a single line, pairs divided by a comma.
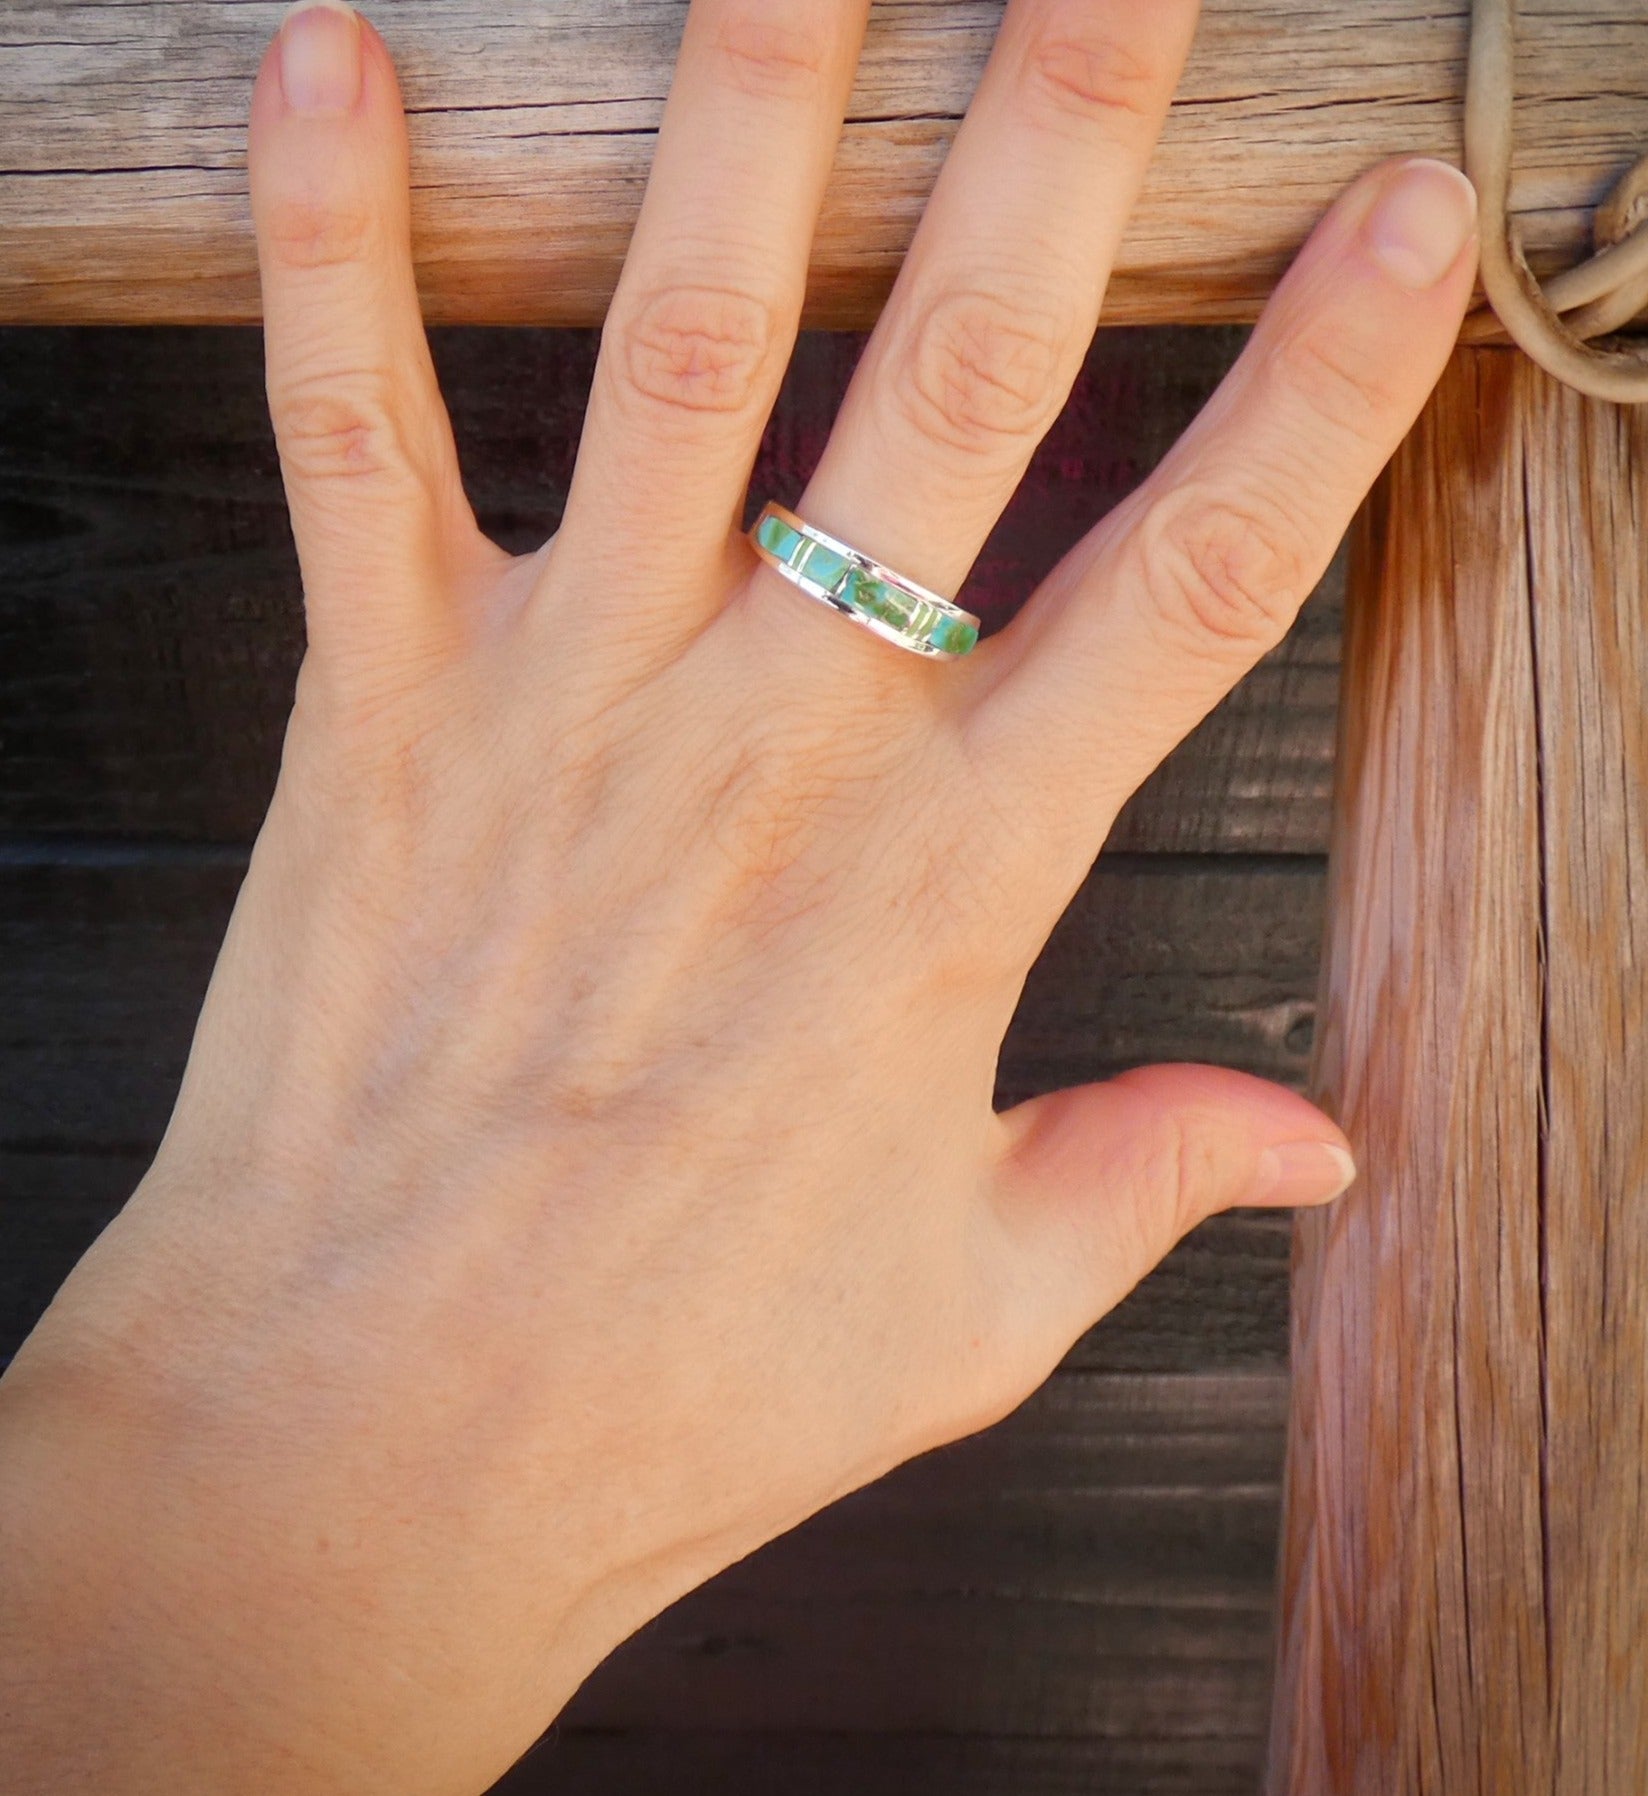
[(1554, 323)]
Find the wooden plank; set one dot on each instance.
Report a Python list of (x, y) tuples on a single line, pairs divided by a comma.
[(668, 1762), (106, 959), (1219, 1301), (52, 1207), (1215, 959), (122, 146), (1466, 1570), (150, 611), (1098, 1567)]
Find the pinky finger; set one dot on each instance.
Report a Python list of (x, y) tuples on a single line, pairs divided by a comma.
[(1161, 609)]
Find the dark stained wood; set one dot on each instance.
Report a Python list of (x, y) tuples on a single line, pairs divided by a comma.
[(150, 607), (1216, 957), (109, 954), (1097, 1568), (108, 950), (122, 146), (1077, 1601), (1465, 1583), (675, 1762)]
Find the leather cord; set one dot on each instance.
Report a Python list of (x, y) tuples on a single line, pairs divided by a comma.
[(1562, 323)]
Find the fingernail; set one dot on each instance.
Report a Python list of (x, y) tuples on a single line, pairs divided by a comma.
[(1423, 218), (1302, 1172), (320, 56)]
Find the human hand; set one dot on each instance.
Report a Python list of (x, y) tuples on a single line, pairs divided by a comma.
[(586, 1165)]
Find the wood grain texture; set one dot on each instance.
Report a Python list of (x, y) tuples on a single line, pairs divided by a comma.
[(670, 1762), (122, 146), (1098, 1569), (1465, 1584), (151, 611), (107, 950)]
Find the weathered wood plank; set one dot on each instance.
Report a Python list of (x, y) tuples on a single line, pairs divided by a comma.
[(1466, 1571), (105, 961), (677, 1762), (1219, 1301), (1205, 959), (122, 146), (1117, 1534), (150, 610)]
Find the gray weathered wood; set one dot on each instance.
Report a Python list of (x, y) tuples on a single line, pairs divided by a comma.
[(122, 142)]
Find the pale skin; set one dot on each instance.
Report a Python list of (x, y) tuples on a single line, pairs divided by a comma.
[(586, 1165)]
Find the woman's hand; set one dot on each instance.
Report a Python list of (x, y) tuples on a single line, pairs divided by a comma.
[(586, 1165)]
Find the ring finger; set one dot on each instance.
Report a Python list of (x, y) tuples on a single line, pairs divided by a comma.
[(999, 296)]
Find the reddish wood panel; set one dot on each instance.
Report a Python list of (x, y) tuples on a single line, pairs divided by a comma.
[(1465, 1581)]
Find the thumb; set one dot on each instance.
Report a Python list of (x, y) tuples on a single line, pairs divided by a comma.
[(1097, 1183)]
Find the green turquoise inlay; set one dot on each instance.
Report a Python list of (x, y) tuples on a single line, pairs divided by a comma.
[(915, 619), (778, 538), (954, 635), (823, 566)]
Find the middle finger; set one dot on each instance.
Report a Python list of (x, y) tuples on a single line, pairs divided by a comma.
[(706, 310), (997, 301)]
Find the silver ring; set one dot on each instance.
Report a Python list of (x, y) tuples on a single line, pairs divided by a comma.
[(858, 586)]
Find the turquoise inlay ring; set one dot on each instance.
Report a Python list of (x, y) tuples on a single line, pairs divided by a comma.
[(860, 588)]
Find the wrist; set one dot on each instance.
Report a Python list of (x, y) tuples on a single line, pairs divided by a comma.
[(195, 1526)]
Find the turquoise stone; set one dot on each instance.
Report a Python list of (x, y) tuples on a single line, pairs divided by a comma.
[(917, 618), (873, 597), (823, 567), (778, 538), (953, 635)]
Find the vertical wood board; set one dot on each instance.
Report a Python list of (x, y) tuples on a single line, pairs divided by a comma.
[(1465, 1565)]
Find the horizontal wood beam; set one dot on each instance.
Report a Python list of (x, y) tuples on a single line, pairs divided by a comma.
[(122, 146)]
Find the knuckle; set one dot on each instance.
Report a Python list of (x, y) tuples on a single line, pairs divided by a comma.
[(305, 232), (1175, 1183), (770, 59), (758, 817), (698, 350), (1223, 571), (339, 429), (1080, 71), (1341, 386), (982, 372)]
